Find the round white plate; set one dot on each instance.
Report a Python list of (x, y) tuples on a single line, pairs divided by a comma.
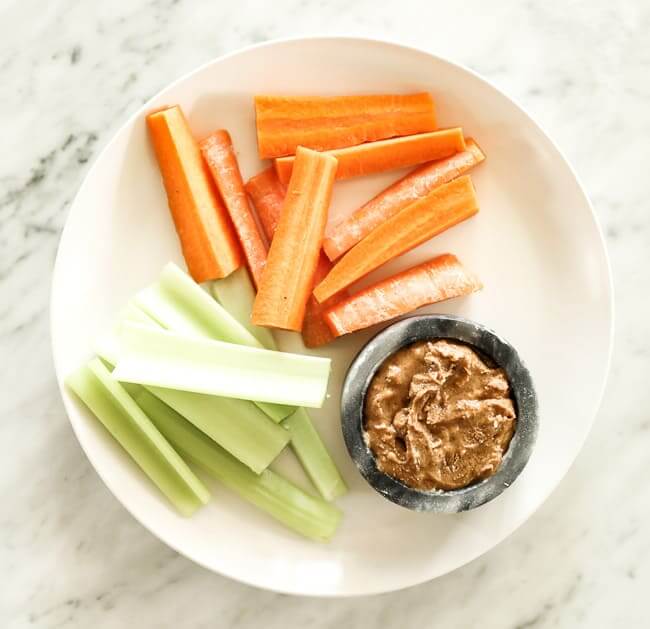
[(535, 244)]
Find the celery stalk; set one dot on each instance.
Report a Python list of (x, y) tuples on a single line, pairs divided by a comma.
[(236, 294), (164, 359), (313, 455), (310, 516), (179, 304), (200, 313), (236, 425), (133, 430)]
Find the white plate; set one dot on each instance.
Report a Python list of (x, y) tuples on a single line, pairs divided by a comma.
[(535, 244)]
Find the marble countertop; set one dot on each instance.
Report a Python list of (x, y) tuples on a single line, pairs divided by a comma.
[(71, 71)]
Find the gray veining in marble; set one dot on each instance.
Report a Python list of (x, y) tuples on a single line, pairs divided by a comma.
[(70, 73)]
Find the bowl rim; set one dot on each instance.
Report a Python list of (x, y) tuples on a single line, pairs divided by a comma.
[(429, 327)]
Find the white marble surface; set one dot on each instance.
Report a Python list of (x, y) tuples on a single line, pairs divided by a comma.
[(70, 73)]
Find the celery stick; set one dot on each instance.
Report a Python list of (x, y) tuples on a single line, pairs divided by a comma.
[(164, 359), (179, 304), (310, 516), (200, 314), (133, 430), (236, 294), (313, 455), (134, 314), (236, 425)]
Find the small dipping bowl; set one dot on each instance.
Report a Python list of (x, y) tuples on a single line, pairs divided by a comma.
[(486, 342)]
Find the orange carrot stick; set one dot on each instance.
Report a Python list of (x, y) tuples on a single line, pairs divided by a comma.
[(441, 209), (442, 278), (267, 194), (207, 238), (315, 331), (329, 122), (375, 157), (220, 156), (288, 278), (396, 197)]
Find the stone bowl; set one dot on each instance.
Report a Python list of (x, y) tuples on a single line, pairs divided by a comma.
[(488, 343)]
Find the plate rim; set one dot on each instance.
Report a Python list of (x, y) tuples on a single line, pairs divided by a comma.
[(397, 44)]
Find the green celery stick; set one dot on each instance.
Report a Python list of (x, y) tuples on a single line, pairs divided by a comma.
[(133, 430), (310, 516), (165, 359), (179, 304), (313, 455), (199, 312), (237, 425), (236, 294)]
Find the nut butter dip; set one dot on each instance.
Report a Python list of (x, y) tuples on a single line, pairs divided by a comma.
[(438, 415)]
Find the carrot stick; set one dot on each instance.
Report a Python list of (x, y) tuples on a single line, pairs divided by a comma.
[(438, 279), (315, 331), (329, 122), (375, 157), (396, 197), (207, 238), (220, 156), (267, 194), (288, 278), (441, 209)]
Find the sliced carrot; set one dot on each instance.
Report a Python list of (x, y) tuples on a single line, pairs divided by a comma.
[(396, 197), (219, 154), (315, 331), (267, 194), (375, 157), (441, 209), (442, 278), (288, 278), (329, 122), (204, 228)]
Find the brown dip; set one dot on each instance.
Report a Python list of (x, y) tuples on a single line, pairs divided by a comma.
[(438, 415)]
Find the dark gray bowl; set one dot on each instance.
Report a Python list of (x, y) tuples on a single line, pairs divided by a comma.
[(420, 328)]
